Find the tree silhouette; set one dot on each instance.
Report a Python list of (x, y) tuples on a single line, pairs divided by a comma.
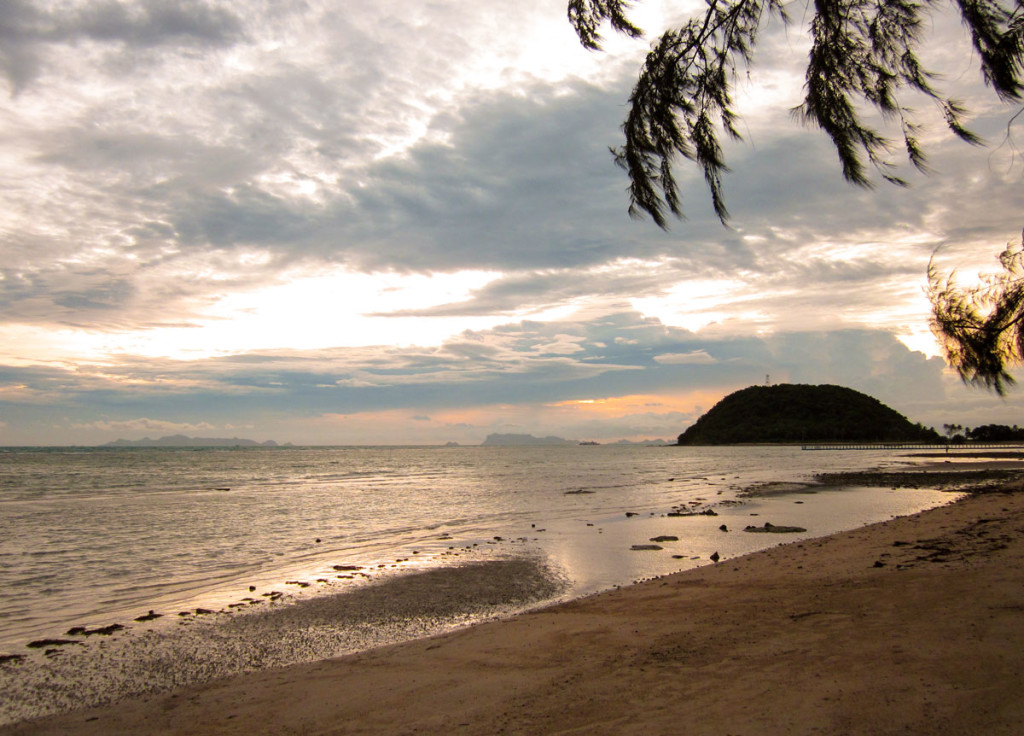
[(981, 328), (864, 53)]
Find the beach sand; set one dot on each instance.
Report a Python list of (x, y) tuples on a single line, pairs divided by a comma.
[(912, 626)]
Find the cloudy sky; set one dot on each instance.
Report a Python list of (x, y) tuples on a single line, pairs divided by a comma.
[(388, 222)]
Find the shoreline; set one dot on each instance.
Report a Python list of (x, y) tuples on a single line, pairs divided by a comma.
[(914, 623)]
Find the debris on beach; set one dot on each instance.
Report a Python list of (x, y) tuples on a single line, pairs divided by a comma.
[(665, 538), (770, 528), (646, 547)]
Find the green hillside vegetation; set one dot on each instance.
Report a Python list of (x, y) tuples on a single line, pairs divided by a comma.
[(802, 413)]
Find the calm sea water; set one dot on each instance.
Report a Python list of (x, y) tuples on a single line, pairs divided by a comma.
[(91, 536)]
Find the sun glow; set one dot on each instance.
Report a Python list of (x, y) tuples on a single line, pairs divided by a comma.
[(303, 312)]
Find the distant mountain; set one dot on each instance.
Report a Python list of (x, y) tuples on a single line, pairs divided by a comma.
[(802, 413), (524, 439), (180, 440)]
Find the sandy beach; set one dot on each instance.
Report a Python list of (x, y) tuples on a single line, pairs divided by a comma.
[(915, 625)]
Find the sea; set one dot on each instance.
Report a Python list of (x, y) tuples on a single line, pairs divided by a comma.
[(152, 547)]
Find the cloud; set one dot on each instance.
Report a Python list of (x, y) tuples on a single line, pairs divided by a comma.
[(134, 426), (186, 179), (30, 33), (696, 357)]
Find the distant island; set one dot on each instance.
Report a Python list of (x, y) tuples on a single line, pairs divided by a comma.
[(180, 440), (802, 413), (505, 440)]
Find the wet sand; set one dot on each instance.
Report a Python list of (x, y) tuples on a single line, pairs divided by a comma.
[(915, 625), (118, 662)]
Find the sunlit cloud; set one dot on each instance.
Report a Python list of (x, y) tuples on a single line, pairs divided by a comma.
[(697, 356)]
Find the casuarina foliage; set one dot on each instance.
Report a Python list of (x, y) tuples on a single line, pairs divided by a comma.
[(864, 54)]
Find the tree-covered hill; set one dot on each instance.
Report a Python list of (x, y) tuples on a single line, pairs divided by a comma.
[(802, 413)]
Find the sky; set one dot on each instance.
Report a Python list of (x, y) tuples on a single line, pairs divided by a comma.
[(383, 222)]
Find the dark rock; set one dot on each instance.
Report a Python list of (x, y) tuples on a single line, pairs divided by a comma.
[(879, 563), (724, 528), (5, 658), (203, 611), (715, 557), (708, 512), (252, 588), (665, 538), (646, 547), (103, 630), (149, 616), (344, 568), (75, 631), (630, 514), (41, 643)]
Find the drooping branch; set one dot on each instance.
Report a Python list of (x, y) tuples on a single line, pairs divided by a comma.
[(586, 16), (682, 101), (864, 54), (981, 328)]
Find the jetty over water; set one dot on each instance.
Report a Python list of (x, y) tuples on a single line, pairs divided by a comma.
[(948, 447)]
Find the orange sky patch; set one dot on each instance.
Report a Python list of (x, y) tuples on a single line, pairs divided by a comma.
[(613, 406)]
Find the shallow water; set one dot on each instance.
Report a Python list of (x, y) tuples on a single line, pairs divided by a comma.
[(91, 535), (95, 537)]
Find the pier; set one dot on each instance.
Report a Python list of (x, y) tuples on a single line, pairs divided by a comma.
[(948, 447)]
